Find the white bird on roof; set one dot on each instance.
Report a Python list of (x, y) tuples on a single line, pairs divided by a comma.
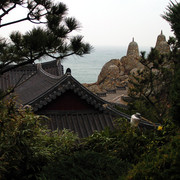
[(135, 119)]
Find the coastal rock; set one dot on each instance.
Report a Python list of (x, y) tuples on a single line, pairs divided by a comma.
[(162, 45), (118, 72), (109, 68), (121, 70), (110, 83), (129, 63), (124, 78), (93, 87), (133, 49), (134, 71)]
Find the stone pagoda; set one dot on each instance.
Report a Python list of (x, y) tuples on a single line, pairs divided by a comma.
[(161, 44), (133, 50)]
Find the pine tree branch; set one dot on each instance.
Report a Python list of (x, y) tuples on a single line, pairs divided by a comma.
[(61, 56), (23, 19), (5, 64), (31, 12), (9, 68), (13, 22), (28, 61), (6, 11), (155, 108)]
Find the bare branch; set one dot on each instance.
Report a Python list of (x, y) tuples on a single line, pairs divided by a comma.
[(7, 11), (13, 22), (12, 89), (29, 18)]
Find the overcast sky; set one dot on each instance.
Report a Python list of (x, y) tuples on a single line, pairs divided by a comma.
[(114, 22)]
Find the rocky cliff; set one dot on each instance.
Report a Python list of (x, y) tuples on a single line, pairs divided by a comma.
[(117, 72)]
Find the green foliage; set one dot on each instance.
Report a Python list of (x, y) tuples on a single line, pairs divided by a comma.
[(84, 165), (61, 143), (135, 146), (156, 88), (25, 145), (164, 163), (172, 16), (175, 97), (150, 87), (54, 40), (125, 143), (21, 142), (20, 152), (29, 151)]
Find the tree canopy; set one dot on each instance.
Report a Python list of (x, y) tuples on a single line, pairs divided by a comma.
[(29, 151), (155, 89), (54, 39), (172, 16)]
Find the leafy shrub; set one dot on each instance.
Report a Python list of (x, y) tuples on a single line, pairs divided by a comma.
[(84, 165), (135, 146), (162, 164), (29, 151), (61, 142), (21, 142), (25, 145), (126, 143)]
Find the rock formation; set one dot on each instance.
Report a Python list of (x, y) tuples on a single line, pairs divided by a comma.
[(117, 72), (133, 50), (161, 44)]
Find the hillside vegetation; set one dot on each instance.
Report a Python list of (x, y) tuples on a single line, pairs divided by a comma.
[(29, 151)]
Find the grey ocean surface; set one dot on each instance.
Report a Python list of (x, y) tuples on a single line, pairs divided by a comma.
[(87, 68)]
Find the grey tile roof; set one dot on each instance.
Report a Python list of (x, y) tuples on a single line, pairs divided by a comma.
[(82, 123), (35, 86), (42, 88), (18, 75)]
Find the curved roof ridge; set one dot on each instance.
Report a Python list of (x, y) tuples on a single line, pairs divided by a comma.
[(48, 91), (67, 82), (39, 68)]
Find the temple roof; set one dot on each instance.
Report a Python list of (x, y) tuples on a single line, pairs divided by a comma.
[(16, 76), (35, 86), (42, 88), (43, 91), (82, 123)]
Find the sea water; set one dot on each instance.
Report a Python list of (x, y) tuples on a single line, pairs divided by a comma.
[(87, 68)]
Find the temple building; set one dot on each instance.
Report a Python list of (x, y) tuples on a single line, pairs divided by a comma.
[(59, 96)]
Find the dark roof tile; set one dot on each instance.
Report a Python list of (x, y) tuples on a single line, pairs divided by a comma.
[(18, 75), (34, 87), (84, 124)]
